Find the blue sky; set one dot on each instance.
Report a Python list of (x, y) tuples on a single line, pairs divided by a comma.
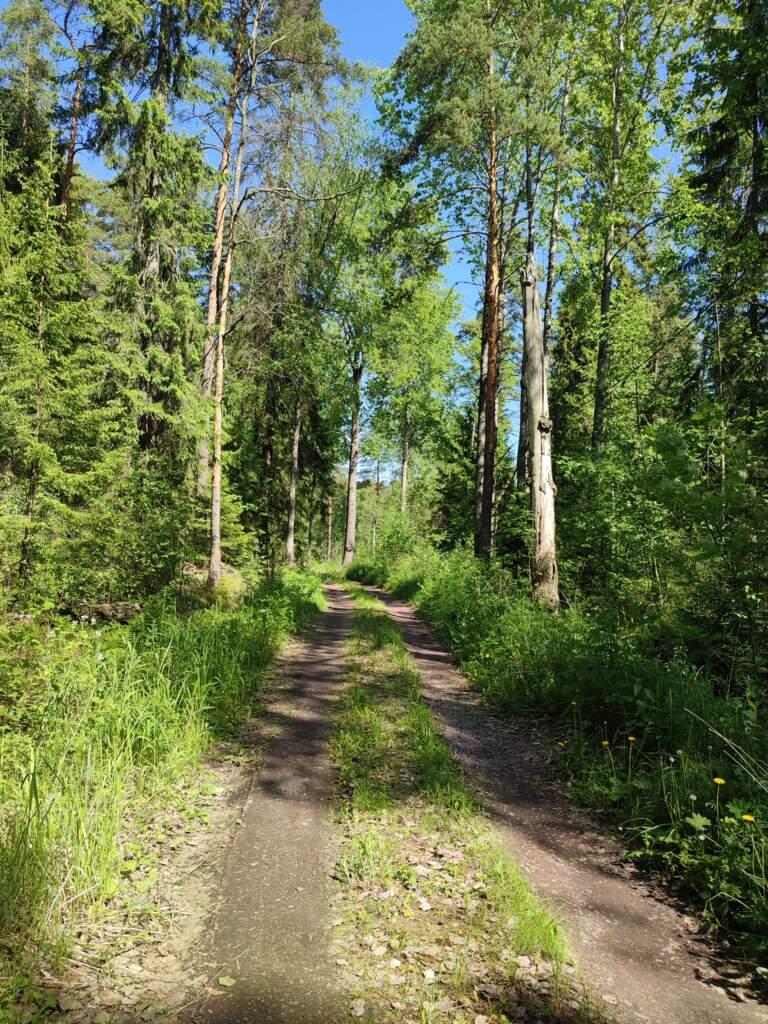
[(372, 31)]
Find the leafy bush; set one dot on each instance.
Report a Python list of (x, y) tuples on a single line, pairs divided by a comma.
[(606, 684)]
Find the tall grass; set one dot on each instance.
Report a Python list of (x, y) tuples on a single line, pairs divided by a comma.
[(643, 739), (96, 725)]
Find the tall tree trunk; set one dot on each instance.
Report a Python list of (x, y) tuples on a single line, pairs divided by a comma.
[(65, 188), (544, 573), (311, 525), (491, 323), (480, 435), (406, 460), (377, 506), (215, 566), (485, 473), (290, 545), (521, 466), (554, 229), (350, 535), (329, 549), (206, 386), (605, 344)]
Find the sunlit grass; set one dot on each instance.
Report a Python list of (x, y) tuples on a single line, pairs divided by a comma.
[(606, 683), (101, 729), (393, 761)]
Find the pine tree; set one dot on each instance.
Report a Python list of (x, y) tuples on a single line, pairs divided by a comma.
[(63, 418)]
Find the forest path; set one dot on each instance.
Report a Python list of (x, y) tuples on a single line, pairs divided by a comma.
[(632, 944), (270, 929)]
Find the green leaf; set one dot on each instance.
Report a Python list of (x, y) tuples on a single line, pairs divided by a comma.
[(227, 982), (698, 821)]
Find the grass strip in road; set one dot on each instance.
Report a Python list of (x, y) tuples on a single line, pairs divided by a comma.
[(435, 921)]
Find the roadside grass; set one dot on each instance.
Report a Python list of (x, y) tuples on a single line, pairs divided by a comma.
[(330, 572), (437, 923), (99, 731), (643, 739)]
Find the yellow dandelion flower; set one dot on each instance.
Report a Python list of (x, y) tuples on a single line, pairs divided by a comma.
[(718, 781), (747, 817), (632, 739), (606, 743)]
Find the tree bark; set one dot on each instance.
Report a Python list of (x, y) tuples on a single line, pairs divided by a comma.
[(377, 508), (215, 566), (329, 550), (290, 545), (480, 437), (544, 572), (65, 189), (350, 535), (521, 466), (406, 461), (605, 345), (554, 229), (206, 386), (311, 524), (491, 346)]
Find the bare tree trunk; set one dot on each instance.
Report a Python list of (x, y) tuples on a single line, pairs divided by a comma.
[(521, 466), (406, 461), (605, 345), (480, 437), (554, 229), (290, 545), (69, 167), (350, 535), (206, 386), (329, 550), (523, 445), (484, 536), (215, 566), (311, 523), (377, 508), (544, 574)]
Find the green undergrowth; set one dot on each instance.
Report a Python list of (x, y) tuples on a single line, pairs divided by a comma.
[(643, 738), (438, 923), (330, 572), (98, 728)]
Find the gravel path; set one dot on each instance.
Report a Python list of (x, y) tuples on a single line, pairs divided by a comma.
[(636, 948), (270, 930)]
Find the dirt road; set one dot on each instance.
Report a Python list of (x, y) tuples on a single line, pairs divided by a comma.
[(270, 931), (631, 942)]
